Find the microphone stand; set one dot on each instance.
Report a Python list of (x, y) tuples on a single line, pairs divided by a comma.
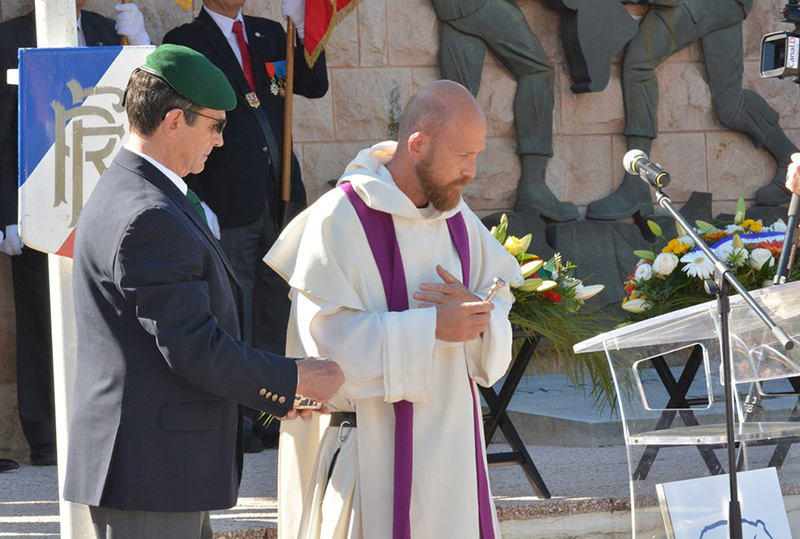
[(785, 263), (721, 286), (786, 260)]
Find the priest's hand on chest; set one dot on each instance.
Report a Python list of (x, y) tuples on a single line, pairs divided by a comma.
[(460, 315)]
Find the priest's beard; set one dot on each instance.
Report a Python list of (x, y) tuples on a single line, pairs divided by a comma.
[(443, 197)]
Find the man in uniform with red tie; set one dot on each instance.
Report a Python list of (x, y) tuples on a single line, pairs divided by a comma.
[(241, 181)]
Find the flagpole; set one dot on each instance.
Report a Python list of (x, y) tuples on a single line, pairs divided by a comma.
[(123, 40), (286, 173)]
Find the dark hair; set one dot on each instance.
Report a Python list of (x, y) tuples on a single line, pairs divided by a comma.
[(148, 99)]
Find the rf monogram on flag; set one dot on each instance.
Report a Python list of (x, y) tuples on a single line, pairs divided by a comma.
[(252, 100)]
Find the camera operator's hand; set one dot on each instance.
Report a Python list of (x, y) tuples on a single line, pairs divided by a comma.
[(793, 175)]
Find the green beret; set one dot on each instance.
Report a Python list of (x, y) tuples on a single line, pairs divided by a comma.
[(192, 75)]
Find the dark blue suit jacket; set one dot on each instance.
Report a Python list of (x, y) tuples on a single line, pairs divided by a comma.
[(238, 179), (155, 423)]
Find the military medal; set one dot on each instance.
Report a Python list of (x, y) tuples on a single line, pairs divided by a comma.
[(252, 100), (276, 71)]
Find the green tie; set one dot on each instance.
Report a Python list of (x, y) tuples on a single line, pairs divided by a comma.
[(198, 206)]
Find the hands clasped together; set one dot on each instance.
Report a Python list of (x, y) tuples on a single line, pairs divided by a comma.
[(460, 315)]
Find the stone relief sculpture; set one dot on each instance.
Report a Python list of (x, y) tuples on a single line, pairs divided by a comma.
[(668, 27), (592, 32), (469, 28)]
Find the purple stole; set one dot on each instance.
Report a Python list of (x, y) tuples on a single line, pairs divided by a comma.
[(379, 228)]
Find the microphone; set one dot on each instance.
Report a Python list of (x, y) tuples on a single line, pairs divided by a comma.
[(637, 163)]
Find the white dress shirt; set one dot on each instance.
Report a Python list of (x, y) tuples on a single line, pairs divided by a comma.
[(174, 178), (226, 25), (81, 38)]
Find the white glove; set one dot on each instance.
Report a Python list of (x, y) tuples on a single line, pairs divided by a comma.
[(295, 10), (12, 244), (130, 23), (2, 235), (212, 220)]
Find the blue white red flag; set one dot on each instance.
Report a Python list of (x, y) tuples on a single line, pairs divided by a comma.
[(71, 124)]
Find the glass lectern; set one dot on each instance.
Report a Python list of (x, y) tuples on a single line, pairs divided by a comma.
[(667, 374)]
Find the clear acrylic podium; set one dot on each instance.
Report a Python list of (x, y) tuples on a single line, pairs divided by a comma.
[(667, 374)]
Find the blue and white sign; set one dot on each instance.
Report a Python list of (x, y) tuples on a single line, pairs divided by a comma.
[(71, 124), (698, 508)]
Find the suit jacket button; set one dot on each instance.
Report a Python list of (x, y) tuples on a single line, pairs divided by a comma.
[(262, 392), (282, 400), (265, 149), (268, 394), (274, 397)]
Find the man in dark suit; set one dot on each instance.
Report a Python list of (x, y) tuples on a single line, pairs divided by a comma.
[(161, 365), (29, 268), (241, 183)]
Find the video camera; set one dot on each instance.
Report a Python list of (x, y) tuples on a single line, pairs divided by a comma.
[(780, 51)]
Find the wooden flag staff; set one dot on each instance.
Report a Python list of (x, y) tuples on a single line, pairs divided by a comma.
[(286, 173)]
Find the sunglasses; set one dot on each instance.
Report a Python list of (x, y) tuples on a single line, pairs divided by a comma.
[(219, 124)]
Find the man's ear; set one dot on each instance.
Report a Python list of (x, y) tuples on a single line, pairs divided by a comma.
[(172, 123), (417, 145)]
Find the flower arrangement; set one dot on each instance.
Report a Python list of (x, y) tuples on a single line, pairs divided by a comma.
[(671, 275), (547, 305)]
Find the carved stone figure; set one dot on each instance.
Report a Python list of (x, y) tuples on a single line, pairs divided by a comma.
[(668, 27), (469, 28), (592, 33)]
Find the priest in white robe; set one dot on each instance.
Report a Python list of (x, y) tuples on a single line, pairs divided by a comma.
[(411, 339)]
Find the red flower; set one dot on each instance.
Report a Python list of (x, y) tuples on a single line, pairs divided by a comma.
[(629, 288), (715, 237), (773, 247), (553, 296)]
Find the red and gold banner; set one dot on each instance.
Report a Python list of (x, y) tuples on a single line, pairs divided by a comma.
[(321, 17)]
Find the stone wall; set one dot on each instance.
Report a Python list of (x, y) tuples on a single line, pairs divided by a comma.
[(384, 45), (387, 47)]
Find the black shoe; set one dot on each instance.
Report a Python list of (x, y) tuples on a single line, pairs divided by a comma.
[(252, 443), (8, 465)]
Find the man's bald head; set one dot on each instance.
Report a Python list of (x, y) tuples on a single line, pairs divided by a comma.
[(437, 104), (441, 134)]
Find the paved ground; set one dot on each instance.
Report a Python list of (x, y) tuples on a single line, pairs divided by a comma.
[(29, 496), (583, 480)]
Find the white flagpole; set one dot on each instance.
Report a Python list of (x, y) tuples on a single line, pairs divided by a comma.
[(56, 26)]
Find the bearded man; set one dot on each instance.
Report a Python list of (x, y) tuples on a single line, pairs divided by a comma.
[(389, 275)]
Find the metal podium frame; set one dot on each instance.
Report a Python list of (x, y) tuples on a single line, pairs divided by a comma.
[(756, 357)]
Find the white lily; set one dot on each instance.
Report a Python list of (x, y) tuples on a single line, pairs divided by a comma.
[(637, 305), (529, 268), (588, 291)]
